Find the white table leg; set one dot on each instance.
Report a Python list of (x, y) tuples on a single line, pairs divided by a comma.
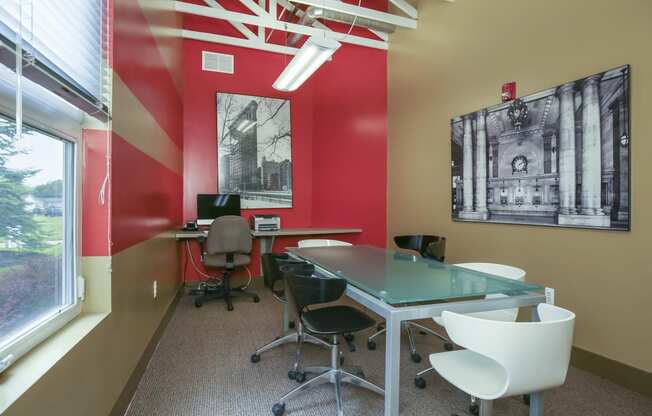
[(392, 365)]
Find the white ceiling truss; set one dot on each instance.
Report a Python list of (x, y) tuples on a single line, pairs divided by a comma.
[(264, 15)]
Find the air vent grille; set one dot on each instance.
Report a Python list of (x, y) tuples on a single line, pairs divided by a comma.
[(217, 62)]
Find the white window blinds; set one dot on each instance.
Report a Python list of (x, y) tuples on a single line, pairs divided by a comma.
[(63, 35)]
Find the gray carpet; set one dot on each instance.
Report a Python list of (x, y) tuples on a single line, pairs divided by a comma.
[(201, 367)]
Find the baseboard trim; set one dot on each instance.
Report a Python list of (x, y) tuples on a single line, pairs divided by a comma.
[(121, 405), (619, 373)]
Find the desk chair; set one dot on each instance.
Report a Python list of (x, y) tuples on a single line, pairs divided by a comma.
[(505, 359), (329, 321), (228, 246), (505, 315), (271, 276), (428, 246)]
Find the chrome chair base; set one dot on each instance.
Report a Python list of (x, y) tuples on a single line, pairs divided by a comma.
[(333, 375), (292, 337), (408, 326)]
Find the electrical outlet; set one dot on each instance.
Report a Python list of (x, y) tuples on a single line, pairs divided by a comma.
[(550, 296), (155, 289)]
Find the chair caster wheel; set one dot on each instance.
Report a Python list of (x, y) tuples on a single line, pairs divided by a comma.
[(361, 374), (300, 377), (448, 346), (255, 358), (256, 299), (292, 375), (371, 345), (474, 409), (198, 303), (291, 324), (341, 360), (229, 308), (416, 357), (349, 337), (526, 399), (420, 382), (278, 409)]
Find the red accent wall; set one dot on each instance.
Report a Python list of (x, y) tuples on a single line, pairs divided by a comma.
[(95, 216), (339, 135)]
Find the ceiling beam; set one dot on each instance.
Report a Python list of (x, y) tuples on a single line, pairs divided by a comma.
[(272, 23), (361, 12), (239, 26), (406, 7), (233, 41)]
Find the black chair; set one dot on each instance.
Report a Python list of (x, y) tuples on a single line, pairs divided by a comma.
[(273, 279), (228, 246), (307, 290), (428, 246)]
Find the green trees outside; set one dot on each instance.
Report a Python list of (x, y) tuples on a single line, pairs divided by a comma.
[(16, 222)]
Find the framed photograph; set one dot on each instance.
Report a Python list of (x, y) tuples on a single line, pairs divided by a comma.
[(254, 150), (559, 157)]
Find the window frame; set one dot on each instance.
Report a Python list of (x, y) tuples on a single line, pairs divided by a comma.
[(48, 326)]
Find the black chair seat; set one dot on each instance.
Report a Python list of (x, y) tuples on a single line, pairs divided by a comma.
[(335, 320)]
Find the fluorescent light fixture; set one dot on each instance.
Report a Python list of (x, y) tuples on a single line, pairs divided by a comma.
[(314, 52)]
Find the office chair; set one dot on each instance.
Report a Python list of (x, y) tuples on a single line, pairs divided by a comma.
[(428, 246), (329, 321), (271, 276), (227, 246), (505, 315), (505, 359)]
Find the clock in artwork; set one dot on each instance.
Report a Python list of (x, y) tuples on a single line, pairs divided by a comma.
[(519, 164)]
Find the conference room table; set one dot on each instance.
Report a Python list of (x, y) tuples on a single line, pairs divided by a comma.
[(402, 287)]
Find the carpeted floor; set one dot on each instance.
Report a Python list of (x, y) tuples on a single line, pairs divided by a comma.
[(201, 368)]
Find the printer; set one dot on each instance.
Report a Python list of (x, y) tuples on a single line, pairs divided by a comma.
[(267, 222)]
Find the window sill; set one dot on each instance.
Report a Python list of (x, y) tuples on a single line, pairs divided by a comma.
[(23, 374)]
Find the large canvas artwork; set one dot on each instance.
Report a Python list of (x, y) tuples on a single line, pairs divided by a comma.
[(254, 157), (559, 157)]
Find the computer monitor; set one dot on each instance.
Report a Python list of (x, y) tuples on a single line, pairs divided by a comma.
[(211, 206)]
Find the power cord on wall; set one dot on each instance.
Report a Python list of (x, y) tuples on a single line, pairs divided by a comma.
[(209, 277)]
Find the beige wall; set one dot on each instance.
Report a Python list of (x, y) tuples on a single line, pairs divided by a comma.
[(455, 63)]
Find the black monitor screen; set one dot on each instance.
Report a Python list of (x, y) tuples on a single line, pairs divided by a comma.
[(211, 206)]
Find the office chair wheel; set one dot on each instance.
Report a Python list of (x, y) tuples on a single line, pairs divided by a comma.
[(526, 399), (448, 346), (278, 409), (371, 345), (292, 375), (198, 303), (256, 299), (349, 337), (229, 308), (474, 409), (420, 382), (255, 358), (416, 357), (361, 374), (300, 376), (291, 324)]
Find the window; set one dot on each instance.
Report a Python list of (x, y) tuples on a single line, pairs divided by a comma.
[(52, 63), (37, 234)]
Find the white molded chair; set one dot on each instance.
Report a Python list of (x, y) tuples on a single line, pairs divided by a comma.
[(505, 315), (322, 243), (504, 359)]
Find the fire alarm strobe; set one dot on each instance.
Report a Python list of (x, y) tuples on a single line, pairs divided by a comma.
[(509, 91)]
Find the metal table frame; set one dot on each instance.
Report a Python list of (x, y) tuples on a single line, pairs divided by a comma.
[(395, 315)]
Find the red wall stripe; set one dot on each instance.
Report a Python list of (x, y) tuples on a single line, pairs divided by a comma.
[(145, 196), (95, 216)]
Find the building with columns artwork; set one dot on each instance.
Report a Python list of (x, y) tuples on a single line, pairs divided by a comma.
[(557, 157)]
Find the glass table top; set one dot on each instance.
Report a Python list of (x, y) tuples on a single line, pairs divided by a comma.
[(398, 278)]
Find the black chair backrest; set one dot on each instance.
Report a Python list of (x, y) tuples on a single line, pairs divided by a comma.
[(270, 265), (307, 289), (431, 246)]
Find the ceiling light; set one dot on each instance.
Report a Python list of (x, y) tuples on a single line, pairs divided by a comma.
[(314, 52)]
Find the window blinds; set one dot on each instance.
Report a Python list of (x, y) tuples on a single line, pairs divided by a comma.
[(65, 36)]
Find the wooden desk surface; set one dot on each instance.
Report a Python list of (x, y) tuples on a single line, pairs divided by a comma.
[(305, 231), (188, 235)]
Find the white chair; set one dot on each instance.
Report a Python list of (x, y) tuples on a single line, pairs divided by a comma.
[(322, 243), (505, 315), (504, 359)]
